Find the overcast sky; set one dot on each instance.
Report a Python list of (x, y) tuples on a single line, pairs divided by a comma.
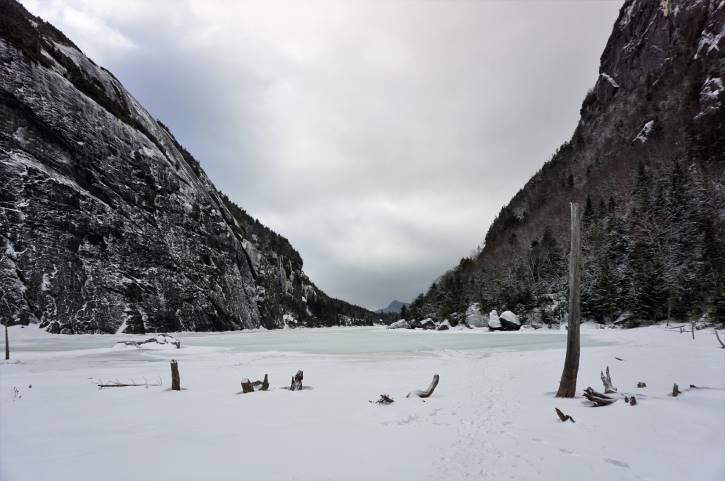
[(380, 137)]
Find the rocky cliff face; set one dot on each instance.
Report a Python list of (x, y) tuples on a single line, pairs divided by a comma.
[(107, 224), (647, 159)]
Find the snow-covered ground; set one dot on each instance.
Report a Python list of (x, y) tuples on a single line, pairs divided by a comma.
[(491, 417)]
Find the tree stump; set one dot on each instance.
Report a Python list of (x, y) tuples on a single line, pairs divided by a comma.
[(247, 386), (676, 391), (296, 384), (265, 384), (175, 379), (607, 381)]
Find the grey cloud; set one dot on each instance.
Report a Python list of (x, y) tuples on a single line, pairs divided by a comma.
[(381, 138)]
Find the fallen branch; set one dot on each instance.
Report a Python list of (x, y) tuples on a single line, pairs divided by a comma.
[(117, 383), (424, 394), (563, 417), (384, 399)]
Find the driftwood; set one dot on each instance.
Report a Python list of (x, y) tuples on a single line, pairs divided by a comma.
[(563, 417), (598, 398), (607, 381), (296, 383), (117, 383), (251, 386), (384, 399), (175, 379), (425, 393), (641, 384), (676, 391)]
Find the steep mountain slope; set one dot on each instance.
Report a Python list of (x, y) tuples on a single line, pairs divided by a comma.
[(108, 224), (647, 160)]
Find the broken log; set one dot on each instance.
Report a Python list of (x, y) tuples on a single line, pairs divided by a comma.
[(607, 381), (563, 417), (425, 393), (598, 398), (175, 379), (676, 391), (296, 383)]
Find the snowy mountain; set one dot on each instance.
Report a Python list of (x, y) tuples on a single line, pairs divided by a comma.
[(647, 162), (107, 224), (394, 307)]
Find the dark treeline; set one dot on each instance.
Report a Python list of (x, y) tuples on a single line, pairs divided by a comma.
[(654, 252)]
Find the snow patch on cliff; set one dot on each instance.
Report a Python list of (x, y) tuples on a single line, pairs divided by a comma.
[(645, 132)]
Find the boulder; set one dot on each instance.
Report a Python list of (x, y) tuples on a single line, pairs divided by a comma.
[(427, 323), (494, 323), (474, 317), (509, 321), (443, 326), (401, 324)]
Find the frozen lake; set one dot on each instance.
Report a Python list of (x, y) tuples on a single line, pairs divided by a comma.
[(355, 341)]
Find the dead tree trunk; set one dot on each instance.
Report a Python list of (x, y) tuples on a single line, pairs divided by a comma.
[(175, 379), (7, 344), (567, 385), (607, 381), (427, 393)]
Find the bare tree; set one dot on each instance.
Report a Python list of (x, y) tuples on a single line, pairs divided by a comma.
[(567, 385)]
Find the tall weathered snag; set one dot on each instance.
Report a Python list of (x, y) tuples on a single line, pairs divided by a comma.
[(567, 385)]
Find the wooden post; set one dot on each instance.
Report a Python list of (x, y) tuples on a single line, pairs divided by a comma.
[(567, 385), (175, 380), (7, 344)]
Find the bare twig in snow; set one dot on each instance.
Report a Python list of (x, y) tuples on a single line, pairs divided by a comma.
[(563, 417)]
